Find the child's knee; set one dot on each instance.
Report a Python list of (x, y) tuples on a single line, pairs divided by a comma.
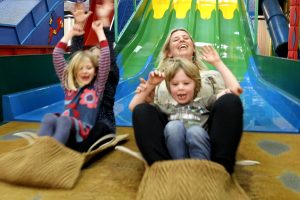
[(174, 126), (197, 130), (65, 120), (49, 118), (197, 133)]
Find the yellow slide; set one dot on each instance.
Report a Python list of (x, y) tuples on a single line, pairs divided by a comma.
[(204, 6), (159, 8), (228, 7)]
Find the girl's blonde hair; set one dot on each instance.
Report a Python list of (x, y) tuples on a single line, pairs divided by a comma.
[(70, 81), (163, 55), (92, 49), (172, 66)]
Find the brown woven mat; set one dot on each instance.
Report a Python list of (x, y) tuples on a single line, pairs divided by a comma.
[(189, 180), (112, 175), (45, 162)]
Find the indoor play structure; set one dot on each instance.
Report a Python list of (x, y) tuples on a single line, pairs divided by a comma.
[(271, 96), (31, 22)]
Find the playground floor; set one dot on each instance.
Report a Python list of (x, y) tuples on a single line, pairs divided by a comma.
[(116, 175)]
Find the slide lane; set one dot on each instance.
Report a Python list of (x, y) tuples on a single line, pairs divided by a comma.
[(138, 58)]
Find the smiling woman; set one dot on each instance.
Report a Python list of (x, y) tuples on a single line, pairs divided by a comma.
[(181, 44)]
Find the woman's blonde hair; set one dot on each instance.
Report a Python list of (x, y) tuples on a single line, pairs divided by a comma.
[(172, 66), (70, 81), (163, 55)]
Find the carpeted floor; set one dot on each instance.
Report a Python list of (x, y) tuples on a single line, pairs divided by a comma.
[(278, 175), (116, 175)]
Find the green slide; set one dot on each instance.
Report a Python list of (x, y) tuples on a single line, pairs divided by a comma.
[(138, 57), (223, 24), (224, 34)]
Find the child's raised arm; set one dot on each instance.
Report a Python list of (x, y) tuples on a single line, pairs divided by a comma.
[(104, 61), (76, 30), (59, 61), (80, 18), (97, 26), (155, 78)]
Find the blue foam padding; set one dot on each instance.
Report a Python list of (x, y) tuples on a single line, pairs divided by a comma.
[(37, 114), (24, 105)]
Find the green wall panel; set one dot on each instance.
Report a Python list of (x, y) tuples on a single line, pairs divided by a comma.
[(18, 73), (283, 73)]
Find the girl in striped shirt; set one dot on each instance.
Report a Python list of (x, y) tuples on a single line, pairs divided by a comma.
[(83, 80)]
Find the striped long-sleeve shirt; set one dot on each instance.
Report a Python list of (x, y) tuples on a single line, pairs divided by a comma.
[(106, 113), (83, 105)]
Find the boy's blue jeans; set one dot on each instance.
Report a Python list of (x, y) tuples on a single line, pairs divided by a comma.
[(191, 142)]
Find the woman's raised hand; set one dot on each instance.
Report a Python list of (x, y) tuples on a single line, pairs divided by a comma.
[(210, 55)]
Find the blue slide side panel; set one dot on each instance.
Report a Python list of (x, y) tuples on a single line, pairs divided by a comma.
[(25, 27), (287, 107), (39, 12), (40, 35), (51, 3), (38, 100), (8, 35)]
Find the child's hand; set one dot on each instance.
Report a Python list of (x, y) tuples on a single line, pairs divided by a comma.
[(155, 78), (142, 87), (76, 30), (210, 55), (97, 26)]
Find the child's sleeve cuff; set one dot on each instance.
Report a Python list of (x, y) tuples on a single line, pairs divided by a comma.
[(103, 43), (62, 45)]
